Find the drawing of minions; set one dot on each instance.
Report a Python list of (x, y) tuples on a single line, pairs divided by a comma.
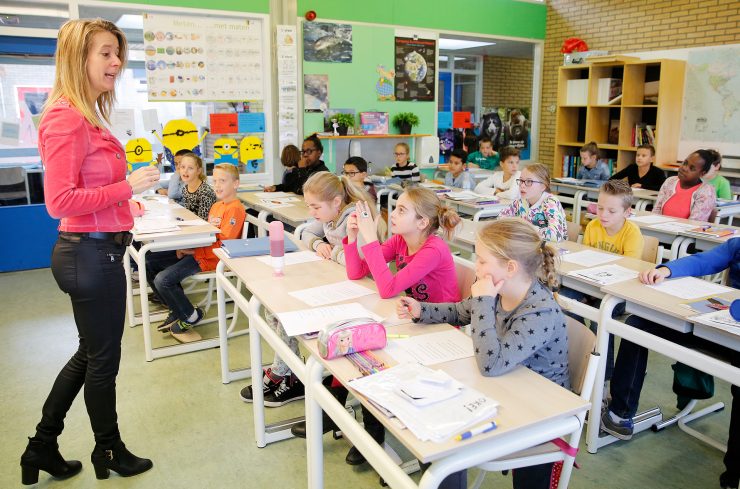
[(225, 150), (139, 154), (180, 134), (251, 154)]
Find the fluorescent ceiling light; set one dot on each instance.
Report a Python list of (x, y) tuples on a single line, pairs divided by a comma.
[(34, 11), (446, 58), (130, 21), (452, 44)]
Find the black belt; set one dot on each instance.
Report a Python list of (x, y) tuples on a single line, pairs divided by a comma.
[(123, 238)]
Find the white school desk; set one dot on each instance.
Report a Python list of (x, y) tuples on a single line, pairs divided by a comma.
[(185, 237), (272, 293), (663, 309), (524, 420), (293, 215), (478, 174)]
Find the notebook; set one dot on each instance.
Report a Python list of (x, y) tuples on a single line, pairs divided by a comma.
[(237, 248)]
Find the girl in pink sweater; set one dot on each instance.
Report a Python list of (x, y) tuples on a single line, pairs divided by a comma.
[(425, 267)]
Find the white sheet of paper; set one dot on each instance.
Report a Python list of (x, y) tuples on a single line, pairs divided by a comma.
[(432, 348), (274, 204), (192, 222), (199, 115), (719, 320), (273, 195), (673, 227), (317, 318), (328, 294), (589, 258), (151, 225), (122, 124), (651, 219), (605, 274), (150, 118), (293, 258), (690, 288)]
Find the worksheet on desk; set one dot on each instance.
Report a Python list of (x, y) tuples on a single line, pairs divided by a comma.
[(651, 219), (673, 227), (432, 348), (328, 294), (294, 258), (605, 274), (690, 288), (273, 195), (589, 258), (317, 318)]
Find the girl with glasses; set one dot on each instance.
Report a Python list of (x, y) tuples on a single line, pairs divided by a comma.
[(537, 205)]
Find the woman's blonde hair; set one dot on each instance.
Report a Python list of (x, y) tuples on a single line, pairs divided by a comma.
[(198, 163), (427, 204), (541, 172), (327, 186), (71, 81), (513, 238)]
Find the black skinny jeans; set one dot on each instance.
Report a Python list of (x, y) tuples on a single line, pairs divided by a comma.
[(91, 272)]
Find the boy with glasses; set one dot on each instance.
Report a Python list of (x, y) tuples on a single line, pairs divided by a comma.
[(355, 168)]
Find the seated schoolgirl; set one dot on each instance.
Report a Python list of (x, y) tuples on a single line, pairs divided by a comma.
[(685, 195), (503, 184), (197, 195)]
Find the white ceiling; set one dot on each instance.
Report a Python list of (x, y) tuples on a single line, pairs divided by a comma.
[(503, 47)]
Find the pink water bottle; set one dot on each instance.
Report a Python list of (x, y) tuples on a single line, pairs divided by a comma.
[(277, 247)]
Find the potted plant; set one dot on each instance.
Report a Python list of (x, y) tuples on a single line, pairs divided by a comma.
[(404, 121), (344, 121)]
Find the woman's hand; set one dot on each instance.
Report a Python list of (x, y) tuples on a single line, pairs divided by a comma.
[(655, 276), (143, 179), (365, 222), (408, 308), (352, 227), (486, 287), (270, 188), (324, 251)]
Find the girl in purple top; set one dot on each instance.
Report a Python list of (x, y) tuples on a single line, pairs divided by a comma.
[(425, 267)]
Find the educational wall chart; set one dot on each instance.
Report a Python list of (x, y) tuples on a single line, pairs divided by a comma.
[(415, 73), (208, 59), (287, 71), (325, 42)]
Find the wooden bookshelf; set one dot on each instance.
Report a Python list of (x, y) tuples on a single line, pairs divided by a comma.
[(578, 124)]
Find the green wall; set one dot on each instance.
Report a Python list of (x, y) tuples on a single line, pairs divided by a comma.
[(494, 17), (253, 6), (352, 85)]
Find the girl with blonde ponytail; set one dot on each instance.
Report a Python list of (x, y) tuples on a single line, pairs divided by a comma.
[(513, 315)]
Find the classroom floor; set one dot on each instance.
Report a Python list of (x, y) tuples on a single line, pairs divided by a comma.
[(199, 433)]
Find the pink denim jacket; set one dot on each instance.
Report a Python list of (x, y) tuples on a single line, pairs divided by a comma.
[(85, 173), (703, 200)]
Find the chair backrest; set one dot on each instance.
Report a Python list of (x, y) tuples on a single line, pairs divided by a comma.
[(581, 342), (465, 271), (650, 249), (574, 229), (12, 176)]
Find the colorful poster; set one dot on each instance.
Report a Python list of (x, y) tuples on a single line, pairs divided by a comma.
[(209, 58), (251, 122), (31, 102), (328, 43), (461, 120), (374, 122), (315, 93), (224, 124), (415, 74), (444, 120)]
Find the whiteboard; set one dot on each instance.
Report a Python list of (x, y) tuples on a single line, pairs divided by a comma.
[(691, 130)]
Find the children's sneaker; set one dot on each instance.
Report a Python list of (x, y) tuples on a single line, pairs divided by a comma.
[(269, 384), (619, 429), (182, 325), (165, 326), (290, 389)]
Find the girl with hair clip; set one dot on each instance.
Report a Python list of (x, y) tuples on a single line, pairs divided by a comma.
[(425, 267), (197, 195), (685, 195), (330, 200), (513, 314), (537, 205)]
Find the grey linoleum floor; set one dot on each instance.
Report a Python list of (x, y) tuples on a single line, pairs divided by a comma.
[(200, 434)]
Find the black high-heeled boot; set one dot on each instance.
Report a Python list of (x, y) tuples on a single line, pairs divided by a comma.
[(41, 455), (118, 459), (375, 429)]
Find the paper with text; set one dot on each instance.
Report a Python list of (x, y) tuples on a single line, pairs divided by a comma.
[(690, 288), (719, 320), (673, 227), (273, 195), (651, 219), (293, 258), (605, 274), (328, 294), (589, 258), (311, 320), (432, 348)]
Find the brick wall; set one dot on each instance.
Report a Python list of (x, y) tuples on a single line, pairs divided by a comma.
[(628, 26), (507, 82)]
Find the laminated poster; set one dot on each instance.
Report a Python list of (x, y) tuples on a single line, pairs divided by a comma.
[(415, 74)]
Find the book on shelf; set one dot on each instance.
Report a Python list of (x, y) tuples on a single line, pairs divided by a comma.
[(609, 91), (613, 137), (650, 95), (643, 134)]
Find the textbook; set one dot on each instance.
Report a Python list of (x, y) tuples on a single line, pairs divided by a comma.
[(237, 248), (713, 231)]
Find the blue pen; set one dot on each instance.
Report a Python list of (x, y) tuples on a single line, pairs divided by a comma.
[(484, 428)]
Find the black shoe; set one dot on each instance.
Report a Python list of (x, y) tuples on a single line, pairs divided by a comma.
[(328, 424), (171, 319), (41, 455), (290, 389), (118, 459), (727, 481), (375, 429), (354, 457), (268, 386)]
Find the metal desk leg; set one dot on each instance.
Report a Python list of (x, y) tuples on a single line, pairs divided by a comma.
[(314, 426), (577, 201), (224, 333)]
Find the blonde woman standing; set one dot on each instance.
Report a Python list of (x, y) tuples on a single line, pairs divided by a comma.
[(86, 187)]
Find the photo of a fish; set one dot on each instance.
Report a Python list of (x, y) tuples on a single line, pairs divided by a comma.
[(327, 43)]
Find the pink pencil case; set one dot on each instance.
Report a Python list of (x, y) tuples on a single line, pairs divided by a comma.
[(351, 336)]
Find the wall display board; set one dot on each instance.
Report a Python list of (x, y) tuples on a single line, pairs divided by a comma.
[(415, 73), (287, 71), (209, 58)]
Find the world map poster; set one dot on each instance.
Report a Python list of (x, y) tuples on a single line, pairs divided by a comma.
[(415, 68)]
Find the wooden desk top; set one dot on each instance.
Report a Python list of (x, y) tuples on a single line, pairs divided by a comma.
[(712, 239), (526, 398), (296, 213), (564, 267)]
